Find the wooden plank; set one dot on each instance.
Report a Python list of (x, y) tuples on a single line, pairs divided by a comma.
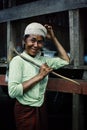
[(80, 67), (63, 86), (56, 84), (40, 7), (60, 85)]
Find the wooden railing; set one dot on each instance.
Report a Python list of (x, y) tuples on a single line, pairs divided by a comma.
[(61, 85)]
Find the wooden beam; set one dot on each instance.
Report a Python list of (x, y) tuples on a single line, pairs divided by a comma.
[(76, 53), (60, 85), (39, 7), (76, 38), (78, 112)]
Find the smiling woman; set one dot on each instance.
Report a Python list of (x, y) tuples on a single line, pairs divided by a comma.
[(27, 83), (33, 44)]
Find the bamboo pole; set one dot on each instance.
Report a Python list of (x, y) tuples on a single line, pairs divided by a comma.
[(29, 60)]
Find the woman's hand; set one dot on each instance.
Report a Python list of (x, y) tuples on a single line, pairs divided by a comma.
[(61, 51), (44, 70), (50, 32)]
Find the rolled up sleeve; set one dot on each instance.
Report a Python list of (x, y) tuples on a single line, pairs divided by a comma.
[(15, 87), (56, 63)]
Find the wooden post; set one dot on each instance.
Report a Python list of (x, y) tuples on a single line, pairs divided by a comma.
[(76, 53), (76, 38), (8, 38), (11, 36)]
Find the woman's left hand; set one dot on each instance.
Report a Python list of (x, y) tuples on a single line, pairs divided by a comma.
[(50, 32)]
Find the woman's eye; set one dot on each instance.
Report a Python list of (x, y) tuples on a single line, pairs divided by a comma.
[(33, 40)]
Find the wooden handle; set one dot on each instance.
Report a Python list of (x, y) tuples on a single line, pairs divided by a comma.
[(29, 60), (63, 77)]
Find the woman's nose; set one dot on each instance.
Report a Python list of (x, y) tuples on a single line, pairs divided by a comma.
[(35, 43)]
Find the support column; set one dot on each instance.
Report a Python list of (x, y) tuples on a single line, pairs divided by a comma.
[(11, 36), (76, 53), (76, 38)]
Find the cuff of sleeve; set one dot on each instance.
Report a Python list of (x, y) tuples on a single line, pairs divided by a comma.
[(20, 90)]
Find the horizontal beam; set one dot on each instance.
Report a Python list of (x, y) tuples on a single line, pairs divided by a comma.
[(40, 7), (60, 85)]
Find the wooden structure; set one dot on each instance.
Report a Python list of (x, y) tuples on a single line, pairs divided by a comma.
[(70, 19)]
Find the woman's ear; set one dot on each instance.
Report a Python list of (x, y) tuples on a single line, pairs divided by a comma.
[(23, 44)]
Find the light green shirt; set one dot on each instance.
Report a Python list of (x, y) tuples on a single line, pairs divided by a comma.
[(21, 70)]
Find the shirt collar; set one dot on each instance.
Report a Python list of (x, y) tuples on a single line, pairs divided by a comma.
[(28, 56)]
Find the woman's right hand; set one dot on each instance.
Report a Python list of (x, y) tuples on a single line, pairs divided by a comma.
[(44, 70)]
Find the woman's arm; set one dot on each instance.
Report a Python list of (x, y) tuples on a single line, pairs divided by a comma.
[(44, 71), (60, 49)]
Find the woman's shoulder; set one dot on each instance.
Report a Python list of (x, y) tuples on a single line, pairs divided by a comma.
[(16, 59)]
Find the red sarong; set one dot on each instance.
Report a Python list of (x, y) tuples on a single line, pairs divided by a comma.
[(30, 118)]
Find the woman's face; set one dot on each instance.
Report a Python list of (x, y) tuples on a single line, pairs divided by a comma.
[(33, 44)]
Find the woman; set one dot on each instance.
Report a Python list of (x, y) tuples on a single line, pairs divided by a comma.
[(27, 83)]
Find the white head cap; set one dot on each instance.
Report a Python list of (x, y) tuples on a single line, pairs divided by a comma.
[(36, 29)]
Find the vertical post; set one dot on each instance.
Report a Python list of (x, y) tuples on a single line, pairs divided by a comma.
[(8, 38), (75, 112), (11, 36), (76, 38), (78, 113), (76, 52)]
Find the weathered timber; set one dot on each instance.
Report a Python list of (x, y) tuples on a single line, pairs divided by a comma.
[(39, 8), (60, 85)]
